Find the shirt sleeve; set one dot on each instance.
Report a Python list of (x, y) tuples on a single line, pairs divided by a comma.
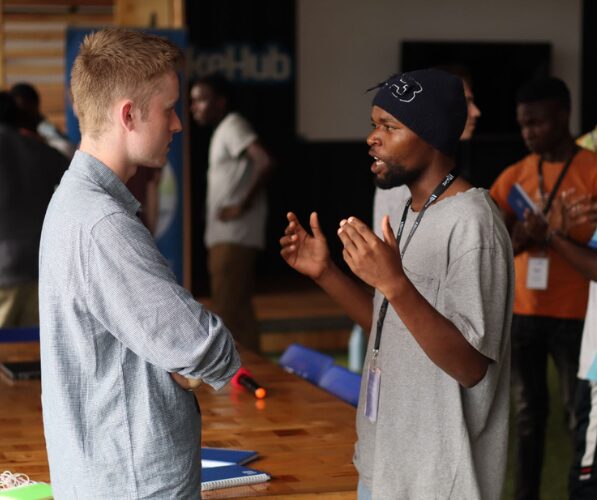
[(241, 136), (135, 296), (479, 294)]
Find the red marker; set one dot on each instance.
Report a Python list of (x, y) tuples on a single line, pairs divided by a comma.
[(244, 379)]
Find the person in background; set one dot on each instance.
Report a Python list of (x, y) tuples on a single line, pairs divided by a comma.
[(120, 339), (550, 295), (239, 168), (29, 172), (143, 185), (473, 113), (34, 123), (432, 419)]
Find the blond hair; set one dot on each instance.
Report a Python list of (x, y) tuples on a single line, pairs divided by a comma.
[(117, 63)]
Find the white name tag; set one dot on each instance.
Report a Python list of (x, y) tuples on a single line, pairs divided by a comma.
[(537, 273)]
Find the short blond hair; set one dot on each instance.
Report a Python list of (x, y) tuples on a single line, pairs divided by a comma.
[(116, 63)]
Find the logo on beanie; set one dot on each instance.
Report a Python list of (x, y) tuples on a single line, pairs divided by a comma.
[(407, 90)]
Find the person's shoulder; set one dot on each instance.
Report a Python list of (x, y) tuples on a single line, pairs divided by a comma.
[(518, 168), (233, 118), (388, 197), (235, 121), (472, 201), (587, 158), (85, 201), (474, 210)]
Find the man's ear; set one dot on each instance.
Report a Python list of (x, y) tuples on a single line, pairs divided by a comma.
[(126, 115)]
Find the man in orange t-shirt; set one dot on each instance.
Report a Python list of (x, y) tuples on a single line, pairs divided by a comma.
[(550, 296)]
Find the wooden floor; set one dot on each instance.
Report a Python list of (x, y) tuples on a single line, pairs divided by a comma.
[(292, 314)]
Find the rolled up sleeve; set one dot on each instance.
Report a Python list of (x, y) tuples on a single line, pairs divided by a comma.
[(135, 296)]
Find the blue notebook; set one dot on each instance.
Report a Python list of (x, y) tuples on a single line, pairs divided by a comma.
[(228, 455), (520, 201), (593, 241), (213, 478)]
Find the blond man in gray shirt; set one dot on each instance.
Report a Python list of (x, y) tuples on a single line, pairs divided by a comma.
[(120, 339)]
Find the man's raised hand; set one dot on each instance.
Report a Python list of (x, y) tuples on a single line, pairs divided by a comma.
[(306, 253), (375, 261)]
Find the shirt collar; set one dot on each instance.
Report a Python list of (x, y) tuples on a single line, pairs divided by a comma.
[(90, 167)]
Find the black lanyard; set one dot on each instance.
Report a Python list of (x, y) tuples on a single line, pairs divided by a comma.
[(554, 191), (439, 190)]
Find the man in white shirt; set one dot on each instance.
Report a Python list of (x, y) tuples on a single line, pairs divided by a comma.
[(239, 167)]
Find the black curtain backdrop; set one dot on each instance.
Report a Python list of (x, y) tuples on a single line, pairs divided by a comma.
[(330, 178), (589, 66)]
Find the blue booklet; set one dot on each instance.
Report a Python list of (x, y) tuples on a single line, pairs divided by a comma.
[(228, 455), (520, 201), (593, 241), (227, 476)]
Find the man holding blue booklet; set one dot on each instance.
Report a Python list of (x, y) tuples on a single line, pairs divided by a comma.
[(550, 295)]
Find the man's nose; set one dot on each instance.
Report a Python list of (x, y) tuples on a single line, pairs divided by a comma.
[(373, 138), (176, 123)]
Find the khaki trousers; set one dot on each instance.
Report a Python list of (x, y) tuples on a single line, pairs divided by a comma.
[(232, 274), (19, 306)]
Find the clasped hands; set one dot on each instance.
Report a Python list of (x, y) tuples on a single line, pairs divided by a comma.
[(189, 384), (568, 211), (375, 261)]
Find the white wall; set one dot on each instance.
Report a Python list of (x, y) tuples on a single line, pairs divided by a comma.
[(346, 46)]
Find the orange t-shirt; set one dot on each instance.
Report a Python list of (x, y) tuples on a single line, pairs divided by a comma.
[(567, 290)]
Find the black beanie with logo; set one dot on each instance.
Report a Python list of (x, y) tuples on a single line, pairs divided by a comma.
[(430, 102)]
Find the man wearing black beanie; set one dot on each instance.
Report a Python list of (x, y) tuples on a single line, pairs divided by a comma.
[(433, 410)]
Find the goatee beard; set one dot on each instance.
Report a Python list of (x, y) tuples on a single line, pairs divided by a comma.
[(396, 176)]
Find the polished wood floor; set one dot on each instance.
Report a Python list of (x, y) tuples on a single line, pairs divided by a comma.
[(300, 313)]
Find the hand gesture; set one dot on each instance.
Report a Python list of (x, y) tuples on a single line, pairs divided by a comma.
[(376, 262), (308, 254), (188, 384), (576, 210), (521, 240), (536, 226)]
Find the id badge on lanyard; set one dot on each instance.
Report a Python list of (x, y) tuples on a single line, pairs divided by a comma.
[(373, 371), (538, 266), (538, 272), (373, 384)]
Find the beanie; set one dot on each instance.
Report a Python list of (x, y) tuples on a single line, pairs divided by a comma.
[(430, 102)]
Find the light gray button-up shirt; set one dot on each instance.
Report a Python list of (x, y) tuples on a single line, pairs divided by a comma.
[(114, 323)]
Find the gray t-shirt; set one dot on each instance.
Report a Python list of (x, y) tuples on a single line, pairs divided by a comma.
[(434, 439), (228, 181)]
